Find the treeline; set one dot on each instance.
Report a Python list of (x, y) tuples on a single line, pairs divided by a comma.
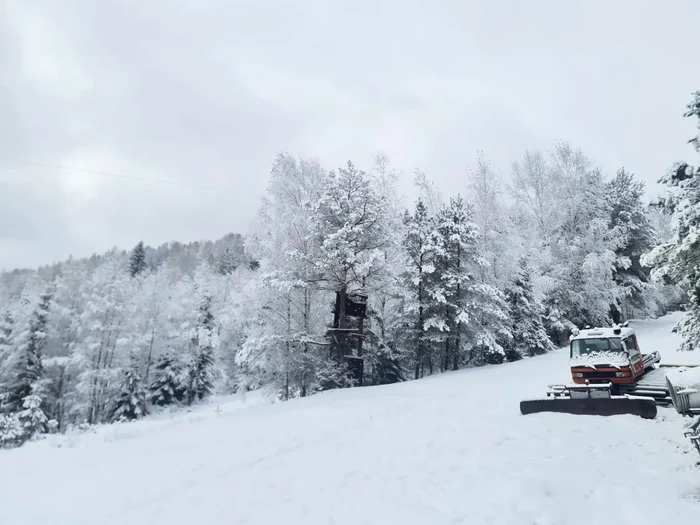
[(501, 272)]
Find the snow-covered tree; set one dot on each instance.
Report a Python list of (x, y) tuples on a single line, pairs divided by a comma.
[(285, 310), (159, 306), (104, 344), (529, 334), (630, 219), (576, 250), (6, 327), (166, 387), (534, 188), (499, 243), (137, 261), (228, 262), (350, 222), (421, 252), (62, 363), (453, 235), (11, 432), (130, 402), (199, 368), (428, 193), (28, 367), (6, 323), (31, 418), (475, 311), (382, 327), (678, 260)]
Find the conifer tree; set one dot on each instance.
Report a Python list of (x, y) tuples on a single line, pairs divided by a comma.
[(11, 433), (6, 323), (475, 312), (137, 261), (420, 251), (630, 218), (32, 419), (6, 327), (29, 369), (529, 334), (166, 388), (200, 369), (130, 403), (459, 238), (227, 263), (350, 224)]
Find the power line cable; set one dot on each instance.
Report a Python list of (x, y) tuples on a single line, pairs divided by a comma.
[(109, 174)]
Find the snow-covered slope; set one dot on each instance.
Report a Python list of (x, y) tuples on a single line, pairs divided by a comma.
[(656, 334), (444, 450)]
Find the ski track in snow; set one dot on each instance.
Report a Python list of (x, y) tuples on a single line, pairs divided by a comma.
[(448, 449)]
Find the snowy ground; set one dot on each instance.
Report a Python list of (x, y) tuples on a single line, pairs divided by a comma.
[(656, 334), (445, 450)]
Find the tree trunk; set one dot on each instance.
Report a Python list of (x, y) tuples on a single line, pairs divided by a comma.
[(149, 359), (458, 325), (58, 410), (288, 357), (306, 317), (421, 320), (340, 335)]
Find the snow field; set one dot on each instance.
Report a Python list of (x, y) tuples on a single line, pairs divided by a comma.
[(656, 335), (448, 449)]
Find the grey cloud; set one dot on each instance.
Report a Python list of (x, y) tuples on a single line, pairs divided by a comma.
[(208, 92)]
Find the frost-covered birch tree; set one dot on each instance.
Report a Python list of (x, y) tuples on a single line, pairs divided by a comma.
[(285, 308)]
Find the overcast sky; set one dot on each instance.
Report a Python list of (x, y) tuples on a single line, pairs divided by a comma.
[(206, 92)]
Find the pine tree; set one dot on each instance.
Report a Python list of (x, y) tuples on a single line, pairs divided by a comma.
[(629, 217), (200, 370), (476, 312), (130, 403), (166, 388), (350, 224), (445, 283), (137, 262), (32, 419), (420, 250), (228, 262), (6, 323), (529, 335), (6, 327), (11, 432), (471, 309), (385, 366), (29, 370), (678, 260)]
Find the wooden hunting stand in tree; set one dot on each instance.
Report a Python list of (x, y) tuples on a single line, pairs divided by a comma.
[(347, 332)]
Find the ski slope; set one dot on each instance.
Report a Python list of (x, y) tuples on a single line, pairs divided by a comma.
[(444, 450)]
